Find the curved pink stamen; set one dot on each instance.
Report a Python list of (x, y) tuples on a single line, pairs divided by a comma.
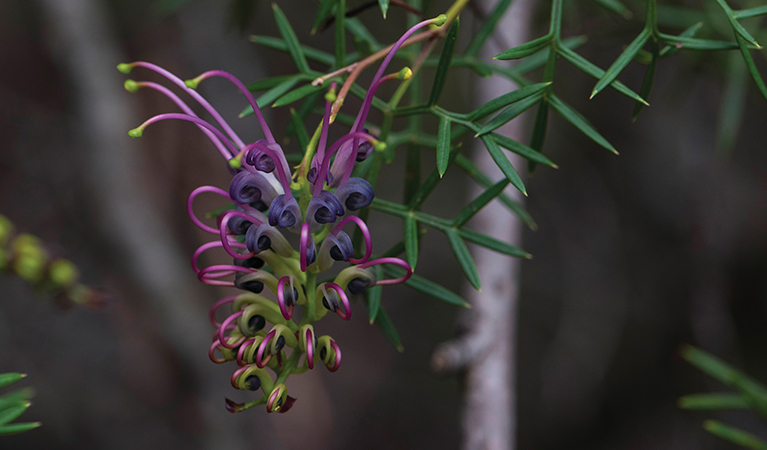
[(309, 349), (324, 132), (304, 243), (208, 246), (222, 329), (196, 120), (323, 172), (260, 362), (243, 349), (397, 261), (236, 375), (184, 107), (214, 308), (365, 233), (195, 95), (221, 192), (337, 362), (209, 274), (212, 353), (248, 95), (272, 398), (287, 311), (222, 232), (347, 314)]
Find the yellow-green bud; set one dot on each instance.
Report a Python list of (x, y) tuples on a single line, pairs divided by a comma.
[(30, 268), (236, 162), (379, 146), (131, 86), (6, 229), (125, 68), (331, 96), (405, 73), (192, 84), (63, 273), (136, 132), (440, 19)]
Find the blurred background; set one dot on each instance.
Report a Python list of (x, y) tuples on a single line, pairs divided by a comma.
[(635, 254)]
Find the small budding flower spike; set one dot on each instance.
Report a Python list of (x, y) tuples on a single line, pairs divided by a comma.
[(259, 332)]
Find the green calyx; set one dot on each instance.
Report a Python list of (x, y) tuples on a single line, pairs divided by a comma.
[(405, 74), (440, 20), (125, 68), (193, 83), (379, 146), (136, 132), (131, 86)]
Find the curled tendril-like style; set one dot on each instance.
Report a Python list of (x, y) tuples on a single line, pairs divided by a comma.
[(346, 314), (365, 234)]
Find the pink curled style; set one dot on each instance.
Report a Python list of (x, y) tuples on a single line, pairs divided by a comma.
[(236, 375), (212, 353), (347, 314), (287, 311), (309, 348), (243, 349), (208, 274), (213, 190), (260, 361), (214, 308), (337, 363), (225, 238), (304, 246), (399, 262), (272, 399), (365, 233), (224, 326)]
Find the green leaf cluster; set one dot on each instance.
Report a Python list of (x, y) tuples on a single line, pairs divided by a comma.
[(13, 405)]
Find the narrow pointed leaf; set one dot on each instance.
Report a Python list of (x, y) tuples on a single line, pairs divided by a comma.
[(299, 129), (323, 12), (443, 145), (751, 12), (691, 43), (506, 99), (757, 401), (503, 163), (411, 240), (17, 428), (279, 44), (430, 182), (464, 258), (688, 33), (374, 297), (480, 202), (384, 5), (736, 26), (10, 378), (493, 244), (268, 83), (712, 401), (443, 66), (732, 104), (509, 113), (294, 47), (615, 6), (734, 435), (522, 150), (539, 131), (412, 172), (12, 412), (431, 288), (296, 94), (579, 122), (16, 396), (719, 370), (384, 323), (612, 72), (751, 66), (513, 206), (488, 27), (271, 95), (587, 67), (526, 49), (647, 81)]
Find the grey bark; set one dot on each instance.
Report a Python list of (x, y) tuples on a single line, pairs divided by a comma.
[(487, 350)]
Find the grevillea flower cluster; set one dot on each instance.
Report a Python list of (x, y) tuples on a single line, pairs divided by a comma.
[(267, 203)]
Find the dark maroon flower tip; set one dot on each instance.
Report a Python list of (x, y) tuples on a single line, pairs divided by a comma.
[(289, 401), (233, 407)]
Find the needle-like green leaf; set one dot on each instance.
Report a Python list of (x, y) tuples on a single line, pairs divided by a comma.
[(294, 47), (411, 240), (579, 122), (736, 26), (523, 150), (17, 428), (526, 49), (539, 131), (443, 145), (751, 12), (13, 411), (464, 258), (505, 100), (374, 297), (280, 45), (10, 378), (299, 129), (488, 27), (296, 94), (323, 12), (268, 83), (509, 113), (712, 401), (586, 66), (691, 43), (480, 202), (271, 95), (443, 66), (720, 370), (616, 7), (615, 69), (493, 244), (734, 435), (732, 104), (384, 323), (751, 65), (384, 4), (503, 163), (647, 81), (431, 288)]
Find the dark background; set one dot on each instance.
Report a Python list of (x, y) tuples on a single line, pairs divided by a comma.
[(635, 254)]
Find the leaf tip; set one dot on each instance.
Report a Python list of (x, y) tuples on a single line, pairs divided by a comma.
[(400, 348), (593, 93), (467, 305), (528, 255)]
